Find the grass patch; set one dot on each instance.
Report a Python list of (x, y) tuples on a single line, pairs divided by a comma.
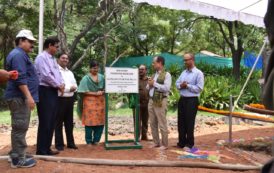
[(121, 112), (6, 119), (128, 112), (202, 113)]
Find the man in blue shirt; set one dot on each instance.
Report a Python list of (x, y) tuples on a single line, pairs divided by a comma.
[(190, 84), (21, 95)]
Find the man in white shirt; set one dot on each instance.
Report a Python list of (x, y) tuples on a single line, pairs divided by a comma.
[(190, 84), (159, 87), (66, 103)]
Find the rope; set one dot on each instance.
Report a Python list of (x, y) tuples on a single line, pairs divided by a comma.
[(250, 5)]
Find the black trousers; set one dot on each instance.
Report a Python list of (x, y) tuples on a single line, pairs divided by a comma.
[(64, 117), (144, 119), (187, 110), (47, 109)]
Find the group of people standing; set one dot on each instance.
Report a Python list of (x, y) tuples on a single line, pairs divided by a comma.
[(154, 92), (50, 85), (47, 83)]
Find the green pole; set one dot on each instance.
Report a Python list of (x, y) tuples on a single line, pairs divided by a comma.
[(106, 120), (137, 119)]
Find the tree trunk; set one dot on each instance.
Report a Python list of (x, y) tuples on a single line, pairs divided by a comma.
[(236, 60), (173, 40), (105, 50), (237, 56)]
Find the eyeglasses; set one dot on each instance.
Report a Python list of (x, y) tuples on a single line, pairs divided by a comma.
[(187, 59)]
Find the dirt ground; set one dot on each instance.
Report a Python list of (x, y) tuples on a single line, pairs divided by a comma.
[(206, 138)]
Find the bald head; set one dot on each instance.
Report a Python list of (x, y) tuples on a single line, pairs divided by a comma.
[(189, 55)]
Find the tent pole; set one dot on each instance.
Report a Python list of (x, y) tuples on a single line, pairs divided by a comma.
[(41, 25)]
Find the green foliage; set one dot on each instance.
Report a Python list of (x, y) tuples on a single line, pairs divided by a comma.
[(175, 70), (217, 91), (166, 30), (210, 70), (219, 85), (173, 97)]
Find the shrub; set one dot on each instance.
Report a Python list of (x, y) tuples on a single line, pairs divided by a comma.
[(219, 85)]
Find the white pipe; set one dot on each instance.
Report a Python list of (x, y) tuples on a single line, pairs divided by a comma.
[(41, 25), (145, 163)]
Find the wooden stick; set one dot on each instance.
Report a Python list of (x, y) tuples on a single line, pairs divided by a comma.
[(257, 110)]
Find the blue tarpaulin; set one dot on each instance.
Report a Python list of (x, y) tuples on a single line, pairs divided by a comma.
[(249, 60)]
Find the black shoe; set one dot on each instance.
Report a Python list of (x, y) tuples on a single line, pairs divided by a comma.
[(72, 147), (41, 153), (60, 148), (190, 146), (51, 153), (180, 145), (144, 138)]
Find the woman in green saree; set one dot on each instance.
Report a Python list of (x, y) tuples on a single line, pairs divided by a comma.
[(91, 105)]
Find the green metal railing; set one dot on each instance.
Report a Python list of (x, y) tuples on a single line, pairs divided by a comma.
[(132, 143)]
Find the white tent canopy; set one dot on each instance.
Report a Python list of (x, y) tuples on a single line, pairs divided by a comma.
[(246, 11)]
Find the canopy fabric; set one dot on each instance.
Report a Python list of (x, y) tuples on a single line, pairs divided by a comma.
[(246, 11)]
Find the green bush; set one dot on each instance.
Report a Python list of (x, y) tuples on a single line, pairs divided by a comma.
[(219, 85), (173, 97)]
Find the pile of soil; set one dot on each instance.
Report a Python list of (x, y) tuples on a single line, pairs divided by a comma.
[(263, 146)]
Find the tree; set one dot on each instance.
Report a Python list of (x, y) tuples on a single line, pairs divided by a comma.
[(14, 15), (238, 37), (98, 12)]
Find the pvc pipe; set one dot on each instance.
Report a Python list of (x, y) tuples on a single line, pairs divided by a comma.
[(41, 26), (146, 163)]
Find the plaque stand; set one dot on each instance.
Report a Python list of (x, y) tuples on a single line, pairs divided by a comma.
[(129, 143)]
